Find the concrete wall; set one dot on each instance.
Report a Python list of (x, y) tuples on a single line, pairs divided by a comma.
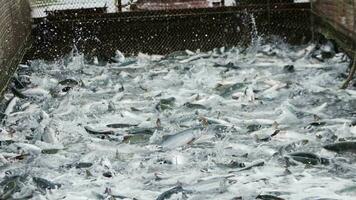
[(15, 28), (338, 20)]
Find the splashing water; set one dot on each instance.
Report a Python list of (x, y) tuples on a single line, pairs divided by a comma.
[(217, 125)]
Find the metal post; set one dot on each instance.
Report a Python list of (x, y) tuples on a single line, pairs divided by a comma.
[(119, 5)]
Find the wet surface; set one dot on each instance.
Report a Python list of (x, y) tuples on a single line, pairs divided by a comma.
[(227, 124)]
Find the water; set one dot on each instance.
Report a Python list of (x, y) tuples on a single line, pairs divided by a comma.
[(236, 107)]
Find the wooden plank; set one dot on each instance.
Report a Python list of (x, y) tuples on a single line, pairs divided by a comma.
[(15, 28), (337, 12)]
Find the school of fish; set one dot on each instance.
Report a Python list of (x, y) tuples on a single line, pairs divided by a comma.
[(264, 122)]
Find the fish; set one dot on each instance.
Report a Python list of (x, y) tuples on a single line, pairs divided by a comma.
[(28, 148), (79, 165), (119, 125), (44, 184), (18, 93), (268, 197), (11, 185), (6, 142), (248, 167), (228, 88), (111, 106), (217, 124), (82, 165), (309, 158), (165, 104), (66, 89), (50, 151), (195, 57), (127, 63), (265, 135), (118, 58), (210, 185), (11, 106), (253, 127), (110, 196), (181, 138), (35, 92), (167, 194), (339, 147), (292, 146), (229, 65), (214, 121), (108, 174), (317, 123), (348, 190), (68, 81), (288, 69), (232, 164), (49, 136), (18, 83), (148, 131), (137, 138), (98, 132), (195, 106)]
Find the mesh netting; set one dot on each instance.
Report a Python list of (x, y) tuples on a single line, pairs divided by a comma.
[(165, 31)]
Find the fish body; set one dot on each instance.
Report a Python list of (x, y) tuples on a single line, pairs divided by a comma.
[(120, 125), (44, 184), (11, 185), (289, 69), (308, 158), (231, 164), (119, 57), (265, 135), (229, 65), (268, 197), (82, 165), (137, 138), (195, 106), (68, 81), (228, 89), (181, 138), (98, 132), (167, 194), (18, 93), (148, 131), (340, 147), (209, 185), (50, 151), (195, 57), (165, 104), (11, 106), (18, 83), (36, 92), (248, 167)]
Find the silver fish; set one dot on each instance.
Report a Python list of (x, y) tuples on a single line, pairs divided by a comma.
[(181, 138)]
